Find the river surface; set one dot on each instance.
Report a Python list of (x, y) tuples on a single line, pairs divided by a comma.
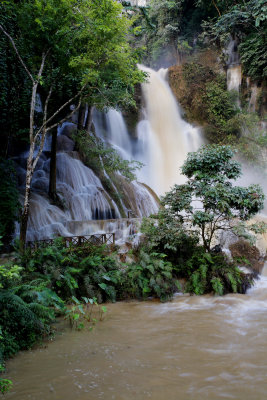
[(191, 348)]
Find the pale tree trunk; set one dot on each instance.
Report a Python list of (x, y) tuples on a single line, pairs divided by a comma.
[(37, 136), (53, 168), (26, 205)]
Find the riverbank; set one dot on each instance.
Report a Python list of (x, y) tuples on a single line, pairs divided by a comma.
[(195, 347)]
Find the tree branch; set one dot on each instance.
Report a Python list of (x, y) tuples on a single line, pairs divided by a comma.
[(58, 111), (17, 52), (65, 118), (45, 113), (215, 5)]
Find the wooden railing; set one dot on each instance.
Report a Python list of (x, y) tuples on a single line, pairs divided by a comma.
[(96, 239)]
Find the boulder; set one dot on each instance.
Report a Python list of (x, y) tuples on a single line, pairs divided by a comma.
[(69, 130), (243, 250), (64, 143)]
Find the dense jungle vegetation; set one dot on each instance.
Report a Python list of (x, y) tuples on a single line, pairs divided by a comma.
[(99, 60), (84, 52), (36, 286)]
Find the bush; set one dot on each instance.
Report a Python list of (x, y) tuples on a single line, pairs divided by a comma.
[(9, 203), (26, 310), (84, 271), (209, 272), (166, 235), (151, 276)]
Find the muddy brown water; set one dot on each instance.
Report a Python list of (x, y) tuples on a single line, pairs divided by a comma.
[(190, 348)]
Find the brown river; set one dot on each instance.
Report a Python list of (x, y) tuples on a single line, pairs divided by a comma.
[(190, 348)]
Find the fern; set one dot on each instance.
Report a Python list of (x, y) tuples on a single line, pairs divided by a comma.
[(217, 286), (233, 281)]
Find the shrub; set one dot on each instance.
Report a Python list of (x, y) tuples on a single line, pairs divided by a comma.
[(151, 276), (9, 203), (26, 310), (212, 273)]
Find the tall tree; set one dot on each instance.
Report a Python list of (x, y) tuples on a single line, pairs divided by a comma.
[(73, 47)]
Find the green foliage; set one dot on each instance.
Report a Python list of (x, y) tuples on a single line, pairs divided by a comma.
[(15, 89), (34, 293), (170, 28), (22, 322), (166, 235), (98, 155), (27, 309), (8, 275), (151, 276), (5, 384), (254, 45), (208, 272), (207, 99), (246, 20), (86, 45), (9, 203), (220, 105), (80, 314), (209, 172), (86, 272), (100, 277)]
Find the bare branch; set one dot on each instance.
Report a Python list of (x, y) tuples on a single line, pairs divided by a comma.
[(58, 111), (65, 118), (34, 92), (17, 52), (33, 101), (45, 115), (46, 105), (215, 5), (44, 55)]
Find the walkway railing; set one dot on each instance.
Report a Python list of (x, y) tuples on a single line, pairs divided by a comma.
[(96, 239)]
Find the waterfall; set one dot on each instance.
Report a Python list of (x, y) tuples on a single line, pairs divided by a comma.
[(161, 143), (139, 3), (80, 190), (164, 138), (234, 73), (253, 98), (234, 78)]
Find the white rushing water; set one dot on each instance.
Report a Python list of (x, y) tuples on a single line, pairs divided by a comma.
[(234, 72), (164, 137), (162, 142)]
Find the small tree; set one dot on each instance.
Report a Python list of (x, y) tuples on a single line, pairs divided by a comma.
[(209, 202)]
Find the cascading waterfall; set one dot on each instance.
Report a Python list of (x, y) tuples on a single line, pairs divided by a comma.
[(234, 78), (164, 138), (82, 194), (234, 73), (253, 98), (162, 142)]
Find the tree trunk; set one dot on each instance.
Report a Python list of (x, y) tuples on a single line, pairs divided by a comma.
[(89, 119), (81, 117), (26, 206), (53, 168), (23, 226)]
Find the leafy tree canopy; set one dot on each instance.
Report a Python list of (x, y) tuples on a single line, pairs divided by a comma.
[(248, 21), (209, 201), (86, 46)]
